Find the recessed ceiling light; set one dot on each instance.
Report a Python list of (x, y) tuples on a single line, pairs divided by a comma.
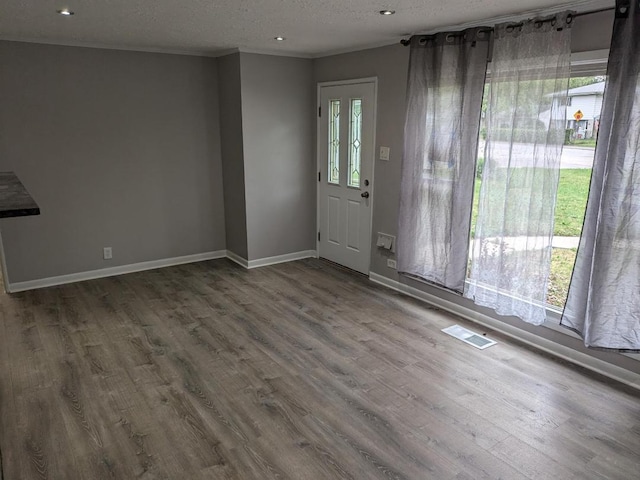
[(65, 12), (279, 39), (387, 12)]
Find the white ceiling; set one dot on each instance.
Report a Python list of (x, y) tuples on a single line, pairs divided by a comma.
[(210, 27)]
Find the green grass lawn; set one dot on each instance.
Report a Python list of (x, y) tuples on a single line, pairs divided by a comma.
[(586, 142), (573, 189), (572, 201), (562, 261)]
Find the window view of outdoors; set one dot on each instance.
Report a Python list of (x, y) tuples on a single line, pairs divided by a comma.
[(582, 123)]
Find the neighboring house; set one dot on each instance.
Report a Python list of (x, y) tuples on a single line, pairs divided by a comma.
[(588, 101)]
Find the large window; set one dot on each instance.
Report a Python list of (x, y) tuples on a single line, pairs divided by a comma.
[(583, 121)]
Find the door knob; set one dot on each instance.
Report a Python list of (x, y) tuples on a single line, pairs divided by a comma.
[(364, 194)]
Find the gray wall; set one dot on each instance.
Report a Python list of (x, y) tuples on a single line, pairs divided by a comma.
[(231, 132), (390, 65), (279, 157), (119, 149)]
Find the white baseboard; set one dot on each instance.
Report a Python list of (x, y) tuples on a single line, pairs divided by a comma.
[(153, 264), (110, 272), (234, 257), (263, 262), (289, 257), (567, 353)]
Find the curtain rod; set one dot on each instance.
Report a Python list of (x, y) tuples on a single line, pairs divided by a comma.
[(407, 41)]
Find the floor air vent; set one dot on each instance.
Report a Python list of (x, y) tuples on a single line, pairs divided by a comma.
[(467, 336)]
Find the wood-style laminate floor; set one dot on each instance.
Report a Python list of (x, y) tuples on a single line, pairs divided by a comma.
[(299, 371)]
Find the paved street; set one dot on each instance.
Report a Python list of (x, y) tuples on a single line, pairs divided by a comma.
[(577, 157), (572, 157)]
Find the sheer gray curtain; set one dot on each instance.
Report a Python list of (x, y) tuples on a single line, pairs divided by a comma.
[(604, 295), (444, 100), (511, 251)]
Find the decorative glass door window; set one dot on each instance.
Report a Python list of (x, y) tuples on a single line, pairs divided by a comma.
[(334, 142), (355, 135)]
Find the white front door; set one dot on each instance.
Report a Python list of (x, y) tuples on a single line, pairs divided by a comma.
[(345, 173)]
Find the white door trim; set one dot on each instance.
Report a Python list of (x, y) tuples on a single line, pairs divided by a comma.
[(319, 162), (3, 263)]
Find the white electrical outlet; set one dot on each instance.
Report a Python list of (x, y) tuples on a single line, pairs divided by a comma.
[(391, 263), (107, 253), (384, 153)]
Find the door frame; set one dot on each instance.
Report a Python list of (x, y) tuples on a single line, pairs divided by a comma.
[(4, 286), (320, 162)]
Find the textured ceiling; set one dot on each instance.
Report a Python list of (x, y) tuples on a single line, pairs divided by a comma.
[(210, 27)]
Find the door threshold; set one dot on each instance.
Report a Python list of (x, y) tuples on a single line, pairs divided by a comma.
[(342, 267)]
